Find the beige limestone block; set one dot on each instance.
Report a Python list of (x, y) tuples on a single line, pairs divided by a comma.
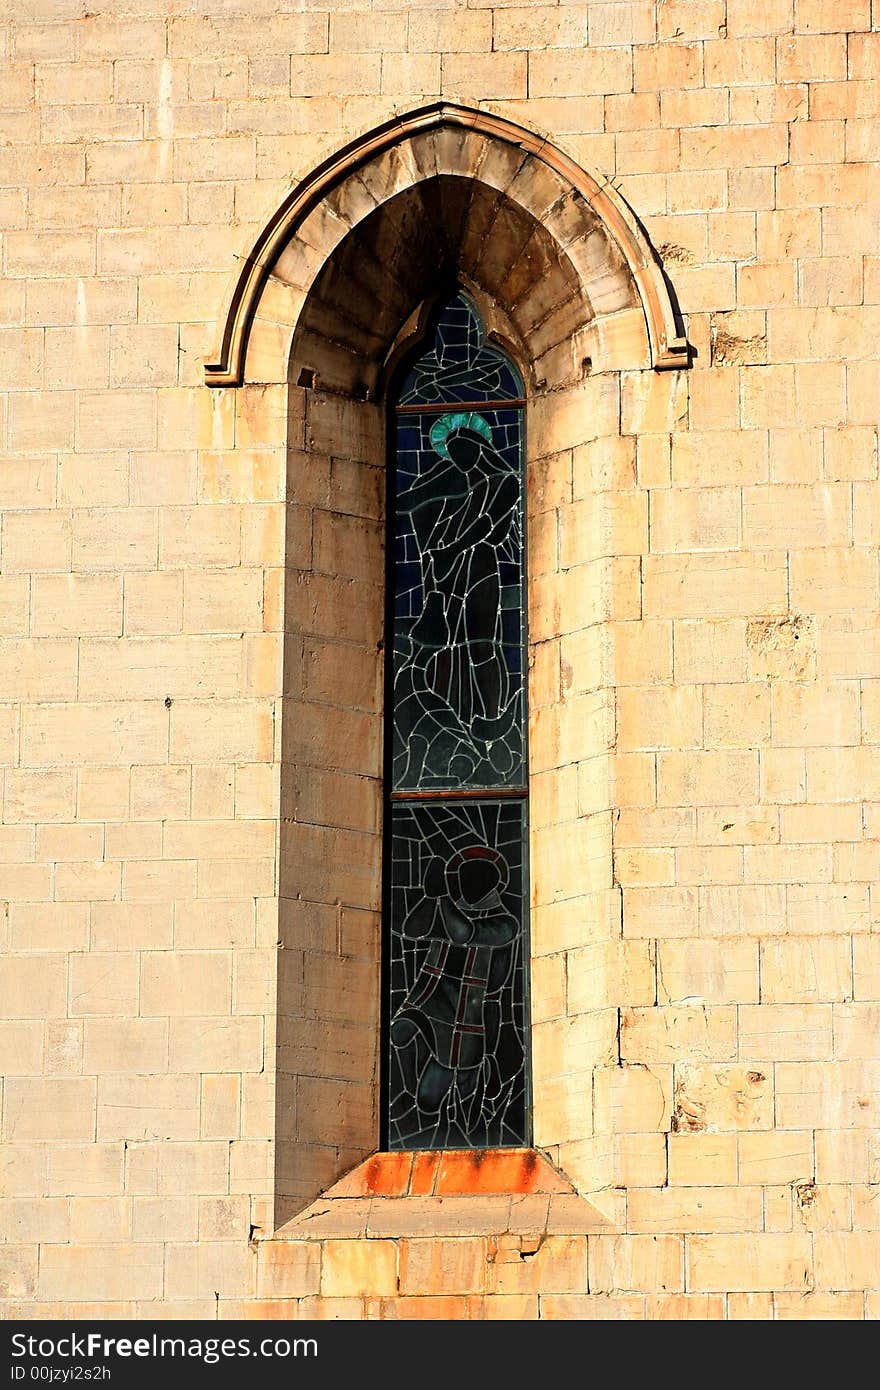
[(77, 605), (644, 867), (815, 713), (847, 1260), (85, 1169), (806, 970), (578, 728), (164, 1219), (128, 839), (749, 1262), (684, 1307), (104, 984), (100, 1219), (633, 1098), (797, 864), (127, 926), (776, 1156), (845, 1156), (213, 925), (783, 774), (147, 1107), (443, 1266), (592, 1307), (707, 778), (695, 519), (855, 1029), (91, 880), (23, 1169), (28, 1220), (69, 842), (154, 880), (125, 1045), (710, 972), (554, 1264), (737, 715), (709, 585), (572, 1045), (213, 789), (64, 1047), (633, 779), (829, 1307), (125, 733), (18, 1271), (709, 864), (695, 1209), (818, 908), (225, 878), (221, 1101), (33, 986), (17, 844), (185, 983), (866, 968), (138, 668), (36, 540), (350, 1268), (655, 825), (660, 912), (49, 1108), (665, 1034), (824, 1095), (15, 605), (89, 1271), (640, 1159), (209, 1268), (217, 1045), (659, 718), (290, 1268), (842, 774), (702, 1159), (786, 1032), (709, 651), (221, 1218), (235, 731), (636, 1263), (720, 1098), (193, 1168)]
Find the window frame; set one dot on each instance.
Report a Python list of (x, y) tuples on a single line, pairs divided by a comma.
[(433, 308)]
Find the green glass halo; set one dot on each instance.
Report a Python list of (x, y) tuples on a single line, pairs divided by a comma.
[(450, 424)]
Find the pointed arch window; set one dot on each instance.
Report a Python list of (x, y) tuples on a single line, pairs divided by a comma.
[(456, 1044)]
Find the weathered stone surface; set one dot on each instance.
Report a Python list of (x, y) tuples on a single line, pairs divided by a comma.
[(192, 662)]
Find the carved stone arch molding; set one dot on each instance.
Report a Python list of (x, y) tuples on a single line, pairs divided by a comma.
[(336, 289), (569, 223)]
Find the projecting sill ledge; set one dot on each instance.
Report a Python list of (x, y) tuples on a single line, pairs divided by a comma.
[(449, 1192)]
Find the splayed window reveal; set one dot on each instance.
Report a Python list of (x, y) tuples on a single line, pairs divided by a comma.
[(456, 944)]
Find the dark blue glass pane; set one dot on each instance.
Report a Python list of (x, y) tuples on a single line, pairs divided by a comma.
[(458, 1007), (458, 699), (458, 366)]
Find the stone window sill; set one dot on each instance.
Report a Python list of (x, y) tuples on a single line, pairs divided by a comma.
[(448, 1192)]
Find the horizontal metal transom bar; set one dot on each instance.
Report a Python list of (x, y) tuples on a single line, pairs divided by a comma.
[(447, 407), (461, 794)]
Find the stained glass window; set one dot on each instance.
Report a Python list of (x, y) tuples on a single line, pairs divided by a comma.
[(457, 1072)]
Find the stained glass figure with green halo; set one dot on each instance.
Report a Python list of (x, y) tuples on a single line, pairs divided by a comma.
[(457, 1072)]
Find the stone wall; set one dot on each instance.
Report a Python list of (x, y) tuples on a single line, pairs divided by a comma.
[(189, 711)]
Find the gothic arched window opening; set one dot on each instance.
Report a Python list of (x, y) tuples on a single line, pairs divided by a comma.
[(456, 816)]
